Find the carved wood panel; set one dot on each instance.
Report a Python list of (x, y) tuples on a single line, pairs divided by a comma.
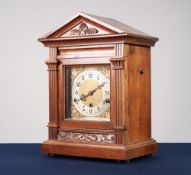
[(86, 137), (83, 29)]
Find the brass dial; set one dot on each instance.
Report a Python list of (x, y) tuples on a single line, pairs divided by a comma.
[(91, 93)]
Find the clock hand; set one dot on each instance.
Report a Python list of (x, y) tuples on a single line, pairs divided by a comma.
[(83, 97), (98, 87), (90, 93)]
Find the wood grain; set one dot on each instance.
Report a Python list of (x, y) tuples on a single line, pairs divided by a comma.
[(139, 94), (129, 59)]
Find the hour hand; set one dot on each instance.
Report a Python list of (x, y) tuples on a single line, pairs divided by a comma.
[(83, 97)]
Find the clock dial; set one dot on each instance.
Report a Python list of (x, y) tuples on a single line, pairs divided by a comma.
[(91, 93), (88, 93)]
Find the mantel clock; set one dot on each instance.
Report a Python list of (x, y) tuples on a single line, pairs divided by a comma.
[(99, 89)]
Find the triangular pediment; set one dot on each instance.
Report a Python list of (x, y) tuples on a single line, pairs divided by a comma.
[(88, 25), (83, 25)]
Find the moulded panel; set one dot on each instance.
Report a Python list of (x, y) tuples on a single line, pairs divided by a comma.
[(88, 51), (139, 94)]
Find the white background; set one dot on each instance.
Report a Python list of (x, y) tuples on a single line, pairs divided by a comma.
[(24, 79)]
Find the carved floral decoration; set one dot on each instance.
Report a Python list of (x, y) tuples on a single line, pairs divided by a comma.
[(83, 30), (86, 137)]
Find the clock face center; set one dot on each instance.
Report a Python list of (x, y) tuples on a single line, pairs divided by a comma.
[(95, 95)]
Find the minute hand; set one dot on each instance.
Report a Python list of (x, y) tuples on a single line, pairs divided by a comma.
[(90, 93)]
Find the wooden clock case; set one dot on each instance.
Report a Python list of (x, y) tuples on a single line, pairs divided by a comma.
[(92, 40)]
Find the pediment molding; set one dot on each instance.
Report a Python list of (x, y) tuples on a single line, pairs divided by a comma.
[(86, 26), (89, 27)]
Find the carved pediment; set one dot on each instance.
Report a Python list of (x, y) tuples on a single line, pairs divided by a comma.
[(86, 25), (82, 25), (83, 29)]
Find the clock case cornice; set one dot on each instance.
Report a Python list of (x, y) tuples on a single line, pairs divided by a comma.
[(108, 30)]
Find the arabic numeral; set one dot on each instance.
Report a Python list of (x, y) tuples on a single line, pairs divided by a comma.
[(83, 108), (76, 92), (78, 84), (90, 75), (90, 110), (107, 92)]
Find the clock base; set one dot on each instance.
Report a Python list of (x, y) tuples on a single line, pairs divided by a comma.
[(115, 152)]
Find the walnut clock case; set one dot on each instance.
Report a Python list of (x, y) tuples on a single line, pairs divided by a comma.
[(99, 89)]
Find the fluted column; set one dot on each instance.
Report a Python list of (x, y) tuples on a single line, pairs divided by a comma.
[(117, 88), (52, 64)]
